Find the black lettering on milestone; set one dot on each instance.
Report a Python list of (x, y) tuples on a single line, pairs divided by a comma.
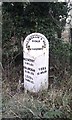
[(35, 40), (25, 67), (41, 72), (29, 77), (27, 59), (32, 73), (27, 71), (29, 63), (37, 73), (36, 48), (31, 69), (29, 80)]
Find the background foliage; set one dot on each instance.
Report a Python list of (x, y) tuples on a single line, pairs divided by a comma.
[(19, 20)]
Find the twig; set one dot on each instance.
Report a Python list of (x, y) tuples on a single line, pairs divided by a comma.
[(55, 20), (28, 109), (14, 58), (14, 113), (24, 107), (1, 66)]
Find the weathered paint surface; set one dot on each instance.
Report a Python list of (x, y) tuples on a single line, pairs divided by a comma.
[(36, 60)]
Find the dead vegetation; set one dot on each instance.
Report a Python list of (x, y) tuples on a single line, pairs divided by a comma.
[(54, 103), (19, 20)]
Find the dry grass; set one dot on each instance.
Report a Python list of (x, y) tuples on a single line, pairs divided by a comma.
[(54, 103)]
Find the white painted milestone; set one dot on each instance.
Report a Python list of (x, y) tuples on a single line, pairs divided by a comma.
[(35, 62)]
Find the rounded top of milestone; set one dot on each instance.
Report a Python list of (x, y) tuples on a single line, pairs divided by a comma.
[(35, 42)]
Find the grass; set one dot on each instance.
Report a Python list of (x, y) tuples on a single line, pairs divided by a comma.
[(54, 103)]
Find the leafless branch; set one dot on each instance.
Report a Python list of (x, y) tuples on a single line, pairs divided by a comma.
[(55, 20)]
